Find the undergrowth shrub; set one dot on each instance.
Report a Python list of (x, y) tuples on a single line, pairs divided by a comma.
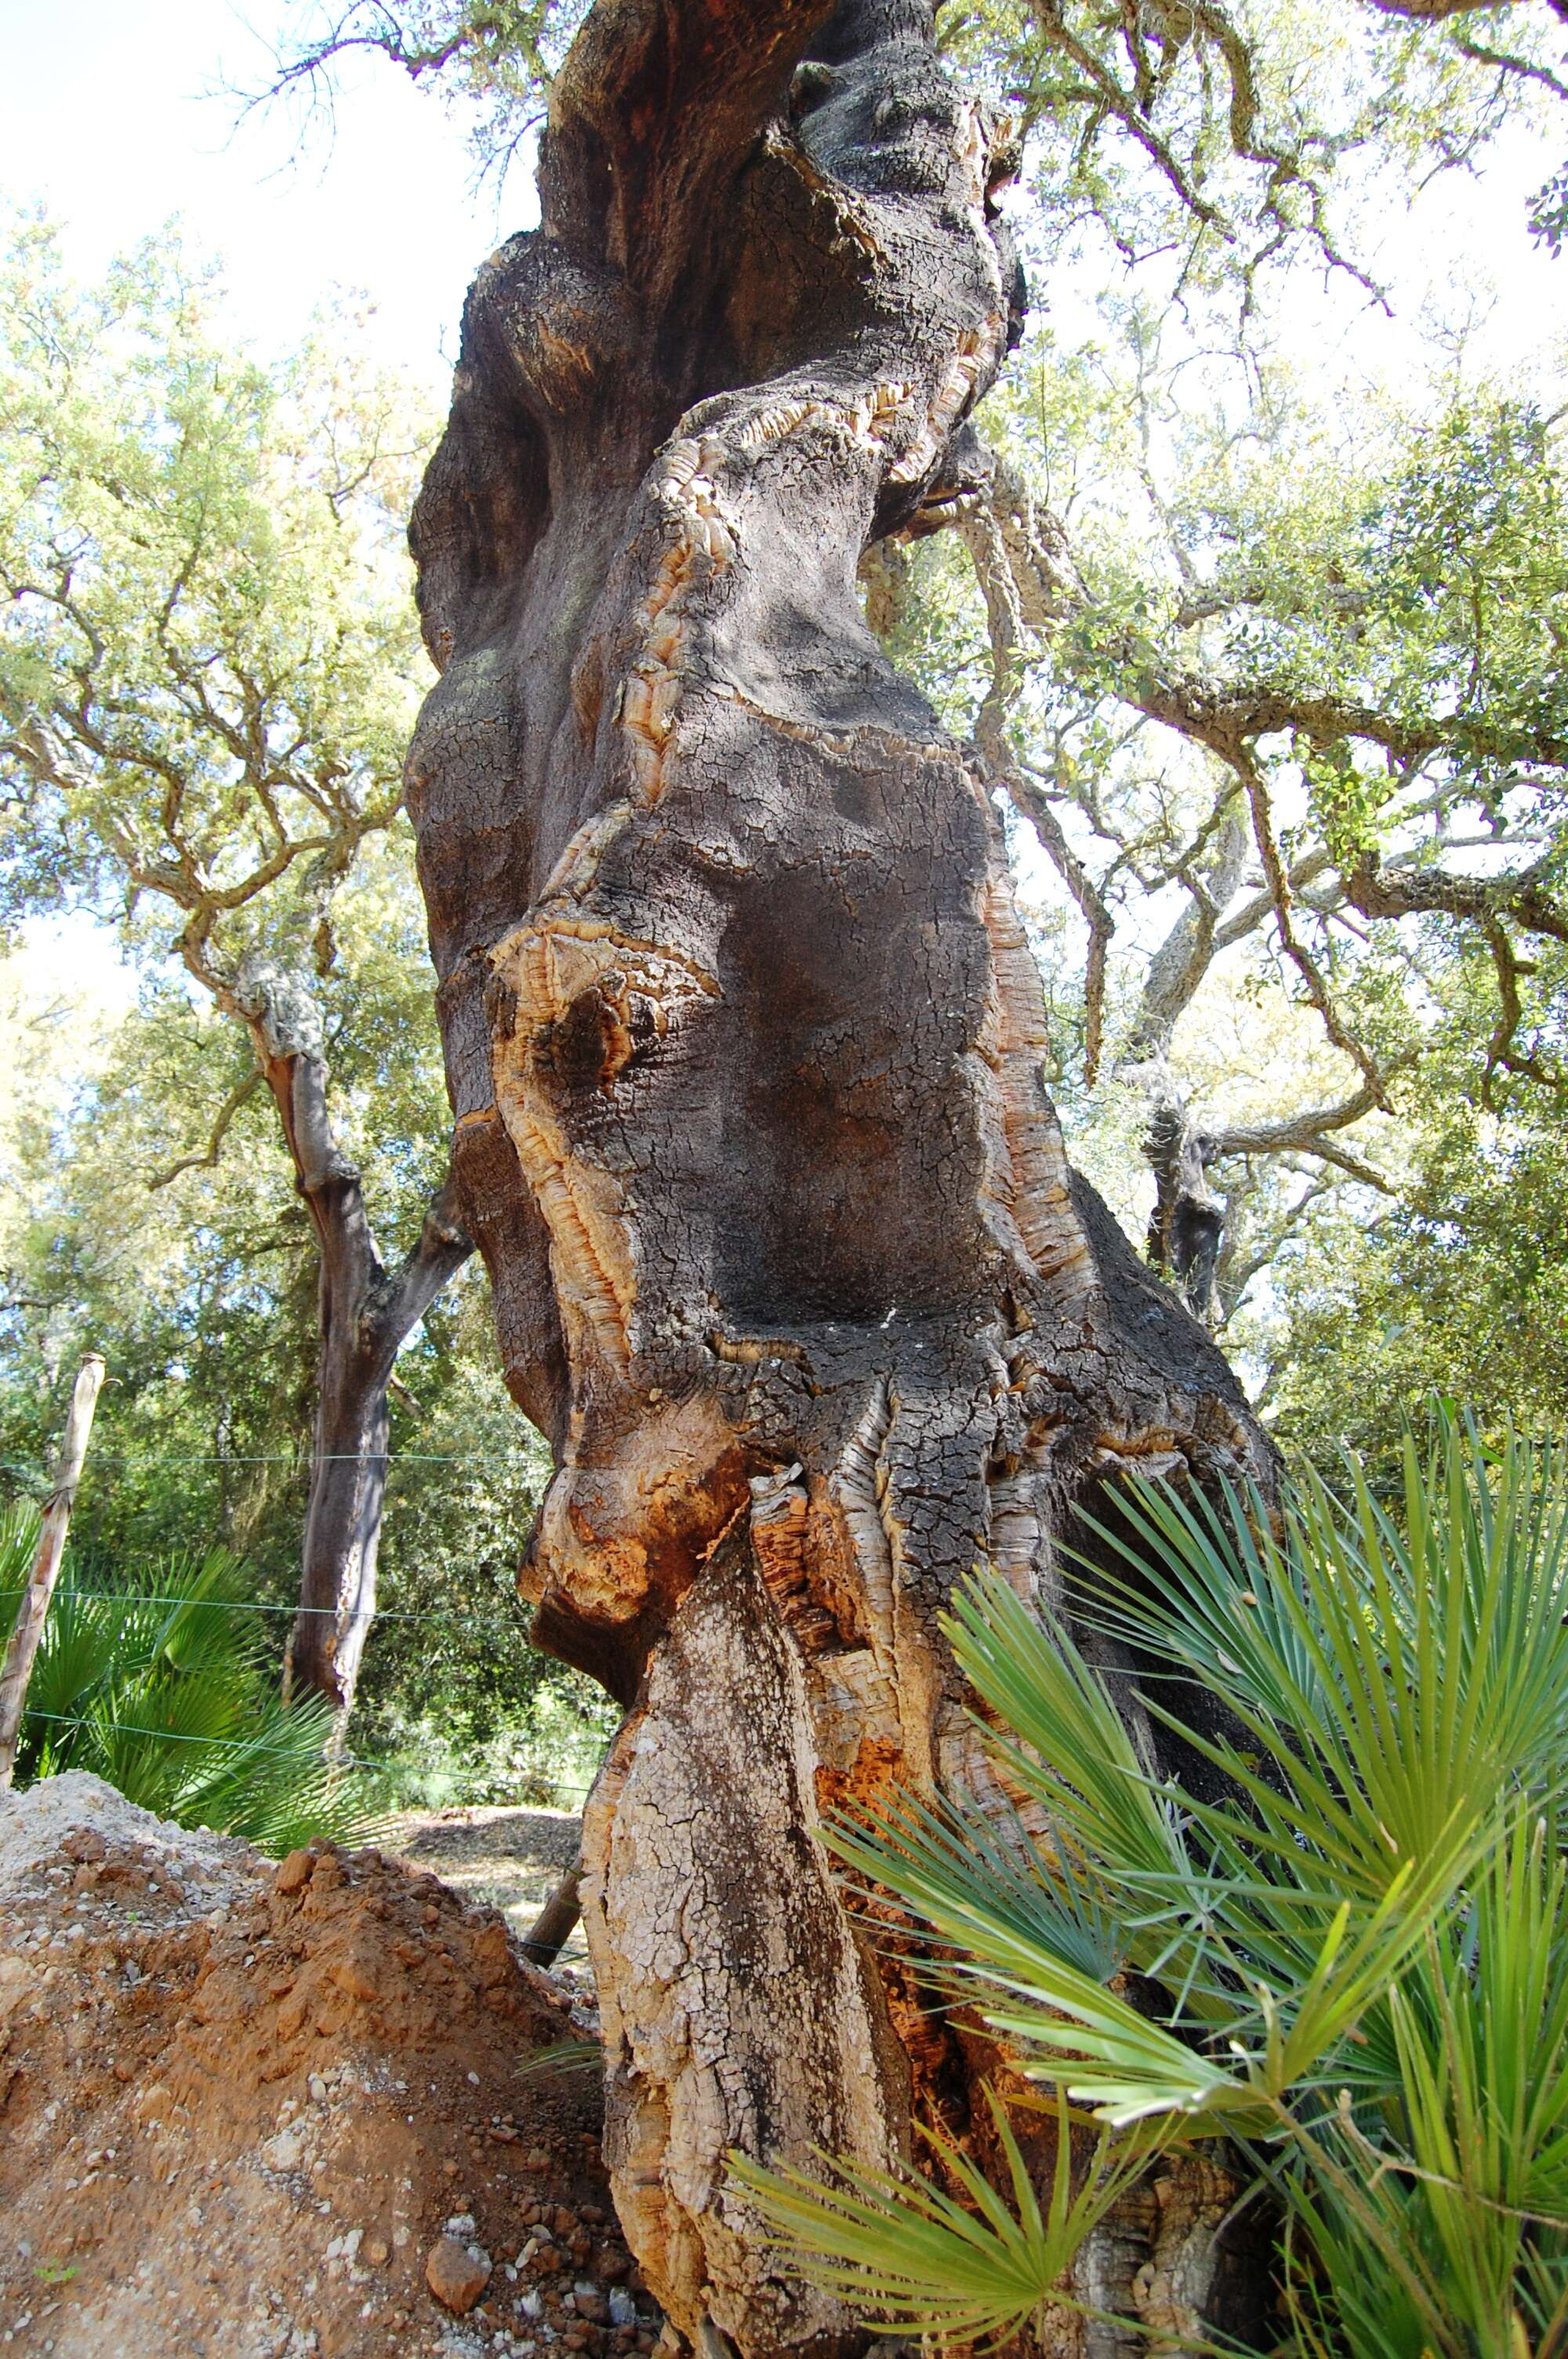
[(159, 1681), (1354, 1962)]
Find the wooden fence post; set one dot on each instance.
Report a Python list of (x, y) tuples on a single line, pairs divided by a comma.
[(35, 1606)]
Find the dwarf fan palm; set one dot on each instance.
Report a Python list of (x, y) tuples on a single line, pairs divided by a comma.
[(1358, 1952), (156, 1681)]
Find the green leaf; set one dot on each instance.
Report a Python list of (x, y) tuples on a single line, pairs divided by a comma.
[(974, 2266)]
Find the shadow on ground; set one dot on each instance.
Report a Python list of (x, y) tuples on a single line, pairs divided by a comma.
[(508, 1859)]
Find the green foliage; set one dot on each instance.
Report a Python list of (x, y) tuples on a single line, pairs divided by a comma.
[(1223, 133), (202, 1296), (1232, 144), (208, 665), (159, 1683), (208, 673), (1465, 559), (1370, 595), (1549, 212), (209, 662), (1460, 1284), (907, 2250), (1351, 1959), (564, 2059)]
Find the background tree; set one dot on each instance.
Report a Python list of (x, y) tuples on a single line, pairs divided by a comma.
[(1457, 1286), (202, 1294), (1302, 739), (206, 669)]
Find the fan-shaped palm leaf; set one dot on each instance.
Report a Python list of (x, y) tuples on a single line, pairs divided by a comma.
[(156, 1681), (1354, 1957), (967, 2267)]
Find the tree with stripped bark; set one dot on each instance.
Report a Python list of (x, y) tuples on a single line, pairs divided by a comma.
[(745, 1040), (1196, 610), (206, 669)]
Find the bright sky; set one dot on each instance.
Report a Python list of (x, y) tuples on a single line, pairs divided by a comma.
[(106, 113), (103, 116)]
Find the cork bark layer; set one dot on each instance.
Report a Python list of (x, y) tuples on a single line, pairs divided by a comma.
[(744, 1043)]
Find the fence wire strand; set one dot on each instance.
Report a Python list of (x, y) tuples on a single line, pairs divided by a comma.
[(498, 1618), (260, 1744)]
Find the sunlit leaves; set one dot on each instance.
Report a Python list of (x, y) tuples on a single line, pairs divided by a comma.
[(209, 662), (909, 2254), (1241, 140), (1369, 1649), (1352, 1956)]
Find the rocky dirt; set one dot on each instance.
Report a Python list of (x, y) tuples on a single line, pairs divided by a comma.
[(262, 2111)]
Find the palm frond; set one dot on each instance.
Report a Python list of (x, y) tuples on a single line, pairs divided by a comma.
[(981, 1883), (155, 1682), (1070, 1746), (19, 1521), (563, 2058), (1362, 1658), (967, 2267), (1349, 1953)]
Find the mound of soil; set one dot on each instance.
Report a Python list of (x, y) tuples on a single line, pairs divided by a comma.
[(262, 2111)]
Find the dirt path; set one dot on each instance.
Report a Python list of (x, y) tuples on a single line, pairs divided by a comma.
[(507, 1859)]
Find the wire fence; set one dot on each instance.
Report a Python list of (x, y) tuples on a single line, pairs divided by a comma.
[(299, 1459), (497, 1617), (259, 1745)]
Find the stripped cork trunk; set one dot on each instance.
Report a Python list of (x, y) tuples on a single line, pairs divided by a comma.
[(745, 1040)]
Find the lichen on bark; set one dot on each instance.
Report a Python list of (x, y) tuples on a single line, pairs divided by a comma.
[(744, 1041)]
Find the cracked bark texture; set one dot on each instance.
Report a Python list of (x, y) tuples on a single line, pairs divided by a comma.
[(744, 1041)]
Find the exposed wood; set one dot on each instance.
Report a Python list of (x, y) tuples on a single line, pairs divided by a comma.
[(28, 1630), (745, 1040), (556, 1922)]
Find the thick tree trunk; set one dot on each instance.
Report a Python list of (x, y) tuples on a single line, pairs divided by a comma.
[(365, 1314), (343, 1522), (744, 1041)]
